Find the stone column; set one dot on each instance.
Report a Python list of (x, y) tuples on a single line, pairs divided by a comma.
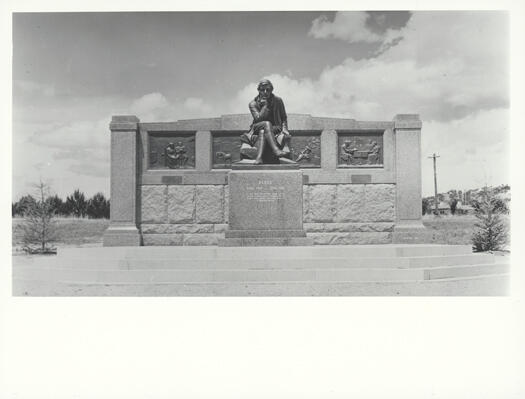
[(122, 230), (203, 156), (329, 150), (407, 132)]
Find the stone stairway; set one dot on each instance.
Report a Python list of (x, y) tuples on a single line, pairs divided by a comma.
[(265, 271)]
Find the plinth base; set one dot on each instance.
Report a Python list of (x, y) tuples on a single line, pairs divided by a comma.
[(121, 236), (266, 242), (264, 233), (266, 207)]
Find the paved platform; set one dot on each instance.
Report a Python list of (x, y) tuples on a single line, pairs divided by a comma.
[(263, 271)]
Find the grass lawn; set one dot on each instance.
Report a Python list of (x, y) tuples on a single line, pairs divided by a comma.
[(450, 229), (70, 232)]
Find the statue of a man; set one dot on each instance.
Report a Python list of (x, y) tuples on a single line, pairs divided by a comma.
[(270, 124)]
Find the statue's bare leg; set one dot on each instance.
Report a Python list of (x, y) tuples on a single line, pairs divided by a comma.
[(270, 138), (260, 150)]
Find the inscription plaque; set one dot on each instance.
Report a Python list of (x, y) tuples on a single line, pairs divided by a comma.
[(171, 179), (266, 200)]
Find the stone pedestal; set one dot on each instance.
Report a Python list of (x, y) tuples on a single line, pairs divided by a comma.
[(265, 208), (122, 230)]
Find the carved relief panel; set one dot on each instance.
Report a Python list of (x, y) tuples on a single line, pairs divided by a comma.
[(171, 150), (226, 147), (305, 148), (360, 149)]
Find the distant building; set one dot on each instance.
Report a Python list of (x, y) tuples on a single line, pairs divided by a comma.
[(444, 208), (464, 209)]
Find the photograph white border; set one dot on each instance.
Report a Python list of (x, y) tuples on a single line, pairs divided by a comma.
[(418, 347)]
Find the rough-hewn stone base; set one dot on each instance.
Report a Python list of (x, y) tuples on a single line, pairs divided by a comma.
[(333, 214), (348, 227), (182, 239), (121, 237), (266, 242), (351, 238), (344, 203)]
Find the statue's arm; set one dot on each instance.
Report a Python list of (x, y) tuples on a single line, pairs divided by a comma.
[(284, 116), (258, 115)]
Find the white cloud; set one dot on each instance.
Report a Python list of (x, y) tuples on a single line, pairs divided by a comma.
[(197, 107), (156, 107), (73, 136), (27, 87), (349, 26), (150, 107), (440, 73)]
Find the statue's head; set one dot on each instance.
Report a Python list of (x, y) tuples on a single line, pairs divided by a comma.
[(265, 88)]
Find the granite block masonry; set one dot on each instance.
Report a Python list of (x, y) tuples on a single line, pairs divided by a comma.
[(360, 184)]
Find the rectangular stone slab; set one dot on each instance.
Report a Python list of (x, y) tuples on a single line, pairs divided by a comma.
[(266, 200), (263, 233)]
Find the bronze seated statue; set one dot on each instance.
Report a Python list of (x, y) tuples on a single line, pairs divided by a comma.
[(268, 140)]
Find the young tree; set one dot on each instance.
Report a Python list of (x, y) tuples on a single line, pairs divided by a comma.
[(453, 205), (491, 233), (426, 206), (98, 207), (76, 204), (38, 228)]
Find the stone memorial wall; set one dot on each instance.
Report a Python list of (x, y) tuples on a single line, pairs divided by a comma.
[(169, 181)]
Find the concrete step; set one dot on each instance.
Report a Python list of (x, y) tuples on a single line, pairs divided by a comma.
[(237, 264), (451, 260), (466, 271), (497, 284), (266, 263), (213, 252), (212, 276), (253, 275)]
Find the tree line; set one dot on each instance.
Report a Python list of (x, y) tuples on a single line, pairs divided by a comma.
[(76, 204), (475, 199)]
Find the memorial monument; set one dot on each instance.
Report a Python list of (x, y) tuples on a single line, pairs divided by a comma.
[(250, 180), (265, 195)]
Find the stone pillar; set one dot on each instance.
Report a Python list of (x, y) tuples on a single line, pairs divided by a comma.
[(329, 150), (407, 132), (122, 230), (203, 151)]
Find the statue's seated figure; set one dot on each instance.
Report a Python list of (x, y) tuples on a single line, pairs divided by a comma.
[(268, 140)]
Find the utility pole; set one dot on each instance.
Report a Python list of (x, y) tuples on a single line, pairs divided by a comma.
[(434, 156)]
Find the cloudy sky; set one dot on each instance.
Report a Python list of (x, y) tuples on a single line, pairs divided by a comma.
[(72, 71)]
